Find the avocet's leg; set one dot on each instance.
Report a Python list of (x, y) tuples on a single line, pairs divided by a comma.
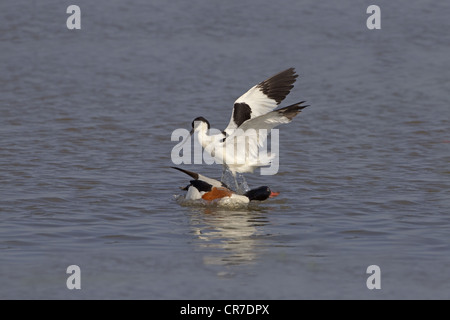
[(224, 171), (236, 182), (244, 184), (242, 187), (229, 178)]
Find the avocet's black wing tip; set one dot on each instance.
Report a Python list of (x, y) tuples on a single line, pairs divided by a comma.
[(279, 85)]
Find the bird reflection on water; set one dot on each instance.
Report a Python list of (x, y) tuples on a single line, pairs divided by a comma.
[(238, 234)]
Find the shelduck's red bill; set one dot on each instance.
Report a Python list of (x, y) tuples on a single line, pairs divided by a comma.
[(273, 194)]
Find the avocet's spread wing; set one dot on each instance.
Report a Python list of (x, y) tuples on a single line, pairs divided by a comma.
[(261, 99), (197, 176), (256, 130)]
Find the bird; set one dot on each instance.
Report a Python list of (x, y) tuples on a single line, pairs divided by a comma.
[(202, 187), (238, 146)]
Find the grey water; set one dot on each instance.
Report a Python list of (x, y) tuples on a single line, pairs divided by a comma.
[(86, 118)]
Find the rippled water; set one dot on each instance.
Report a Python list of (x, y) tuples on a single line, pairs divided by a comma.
[(85, 123)]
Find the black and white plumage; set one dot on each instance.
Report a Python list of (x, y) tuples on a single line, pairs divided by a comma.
[(199, 177), (255, 110), (261, 98), (202, 185)]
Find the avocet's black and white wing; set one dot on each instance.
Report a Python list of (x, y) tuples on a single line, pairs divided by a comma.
[(261, 98), (256, 137)]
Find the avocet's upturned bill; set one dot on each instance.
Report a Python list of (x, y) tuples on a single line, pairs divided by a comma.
[(253, 116), (209, 190)]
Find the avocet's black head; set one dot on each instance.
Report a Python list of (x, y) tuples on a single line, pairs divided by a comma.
[(199, 120), (260, 194)]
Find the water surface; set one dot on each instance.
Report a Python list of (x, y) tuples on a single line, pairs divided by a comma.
[(85, 123)]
